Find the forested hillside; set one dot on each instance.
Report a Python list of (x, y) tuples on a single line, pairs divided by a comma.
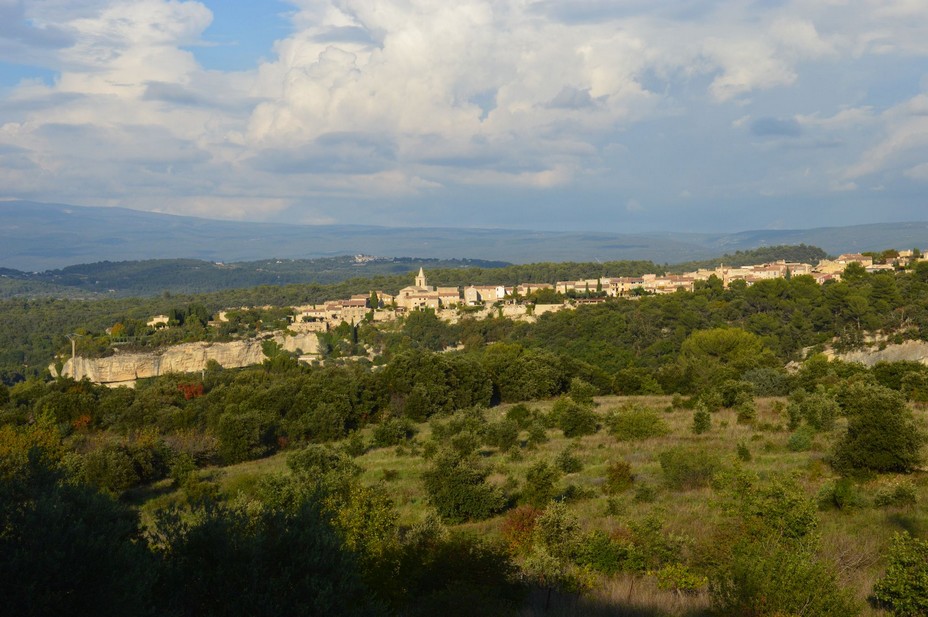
[(648, 456)]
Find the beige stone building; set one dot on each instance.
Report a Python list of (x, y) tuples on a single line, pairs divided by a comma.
[(422, 295)]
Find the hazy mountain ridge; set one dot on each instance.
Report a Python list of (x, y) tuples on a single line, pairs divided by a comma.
[(149, 277), (37, 237)]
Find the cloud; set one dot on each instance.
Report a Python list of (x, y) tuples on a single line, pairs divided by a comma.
[(375, 109), (776, 127)]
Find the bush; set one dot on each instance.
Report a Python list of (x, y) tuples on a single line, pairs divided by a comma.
[(246, 436), (457, 488), (601, 553), (518, 527), (747, 411), (645, 493), (686, 469), (770, 578), (819, 410), (537, 435), (581, 391), (840, 495), (619, 477), (801, 440), (393, 432), (733, 392), (503, 435), (768, 381), (898, 493), (882, 434), (744, 454), (635, 422), (540, 484), (567, 462), (520, 414), (678, 578), (317, 460), (903, 590), (574, 419), (702, 421), (115, 468)]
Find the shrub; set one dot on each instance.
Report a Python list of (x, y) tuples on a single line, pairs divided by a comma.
[(619, 477), (744, 454), (840, 495), (118, 467), (354, 446), (518, 527), (574, 419), (770, 578), (520, 414), (898, 493), (768, 381), (903, 590), (503, 435), (465, 421), (732, 392), (537, 435), (567, 462), (710, 399), (653, 546), (318, 460), (457, 488), (882, 434), (801, 440), (602, 554), (645, 493), (686, 468), (702, 421), (581, 391), (393, 432), (635, 422), (747, 411), (819, 410), (540, 484), (246, 436), (680, 579)]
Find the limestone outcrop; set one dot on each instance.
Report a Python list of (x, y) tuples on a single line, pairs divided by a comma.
[(125, 368), (912, 351)]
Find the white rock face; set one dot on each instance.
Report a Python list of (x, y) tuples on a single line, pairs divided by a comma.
[(125, 368), (912, 351)]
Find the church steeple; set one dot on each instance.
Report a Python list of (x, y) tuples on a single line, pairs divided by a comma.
[(420, 279)]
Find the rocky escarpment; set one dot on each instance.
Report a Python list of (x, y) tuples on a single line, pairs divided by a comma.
[(912, 351), (125, 368)]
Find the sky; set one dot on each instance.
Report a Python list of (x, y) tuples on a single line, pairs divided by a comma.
[(619, 116)]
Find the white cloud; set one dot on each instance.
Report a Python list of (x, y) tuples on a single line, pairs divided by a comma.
[(372, 98)]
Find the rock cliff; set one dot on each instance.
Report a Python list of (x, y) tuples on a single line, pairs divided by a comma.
[(125, 368), (913, 351)]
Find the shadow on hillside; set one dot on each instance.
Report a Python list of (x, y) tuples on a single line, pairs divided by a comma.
[(569, 605)]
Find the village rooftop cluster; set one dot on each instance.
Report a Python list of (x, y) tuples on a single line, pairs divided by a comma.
[(508, 301)]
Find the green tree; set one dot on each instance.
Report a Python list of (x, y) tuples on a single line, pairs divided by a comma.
[(882, 434), (904, 588), (457, 488)]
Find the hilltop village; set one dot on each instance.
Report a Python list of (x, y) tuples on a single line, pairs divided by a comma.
[(526, 301)]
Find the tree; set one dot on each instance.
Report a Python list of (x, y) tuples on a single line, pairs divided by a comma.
[(711, 356), (882, 434), (457, 488), (282, 558), (66, 549), (904, 588)]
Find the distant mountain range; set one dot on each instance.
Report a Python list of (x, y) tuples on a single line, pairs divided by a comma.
[(36, 237)]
